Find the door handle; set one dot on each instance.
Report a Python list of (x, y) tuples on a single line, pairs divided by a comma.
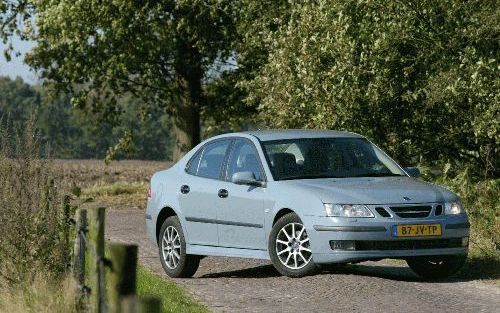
[(223, 193), (184, 189)]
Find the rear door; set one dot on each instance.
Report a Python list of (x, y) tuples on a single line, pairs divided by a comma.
[(241, 210), (198, 193)]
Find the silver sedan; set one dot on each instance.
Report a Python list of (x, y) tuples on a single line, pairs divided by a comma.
[(302, 199)]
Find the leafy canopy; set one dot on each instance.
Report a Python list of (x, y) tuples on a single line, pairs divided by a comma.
[(419, 77)]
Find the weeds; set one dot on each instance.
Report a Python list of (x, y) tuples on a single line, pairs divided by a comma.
[(34, 225), (41, 295)]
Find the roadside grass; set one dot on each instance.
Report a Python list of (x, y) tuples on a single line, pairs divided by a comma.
[(118, 194), (174, 299), (49, 295), (42, 295)]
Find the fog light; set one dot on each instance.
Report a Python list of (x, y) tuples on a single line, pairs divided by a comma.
[(465, 241), (346, 245)]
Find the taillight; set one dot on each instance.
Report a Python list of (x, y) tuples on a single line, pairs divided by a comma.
[(150, 193)]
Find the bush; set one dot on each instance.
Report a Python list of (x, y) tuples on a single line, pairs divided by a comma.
[(482, 202), (419, 78), (34, 220), (481, 198)]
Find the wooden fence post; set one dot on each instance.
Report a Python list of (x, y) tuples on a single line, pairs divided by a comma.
[(95, 257), (135, 304), (80, 247), (66, 231), (120, 273)]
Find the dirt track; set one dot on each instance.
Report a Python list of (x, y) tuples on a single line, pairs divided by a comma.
[(239, 285)]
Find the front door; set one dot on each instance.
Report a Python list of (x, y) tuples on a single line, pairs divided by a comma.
[(240, 209)]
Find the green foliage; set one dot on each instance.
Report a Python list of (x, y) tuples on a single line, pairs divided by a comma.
[(419, 78), (18, 100), (482, 202), (84, 133), (225, 110), (160, 51)]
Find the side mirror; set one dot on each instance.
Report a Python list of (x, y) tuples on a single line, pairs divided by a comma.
[(245, 178), (412, 171)]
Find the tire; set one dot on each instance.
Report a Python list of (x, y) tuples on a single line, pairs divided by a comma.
[(436, 267), (289, 247), (172, 250)]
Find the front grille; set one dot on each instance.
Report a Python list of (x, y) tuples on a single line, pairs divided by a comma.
[(407, 244), (416, 211), (439, 210)]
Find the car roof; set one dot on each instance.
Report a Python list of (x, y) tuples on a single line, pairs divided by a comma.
[(279, 134)]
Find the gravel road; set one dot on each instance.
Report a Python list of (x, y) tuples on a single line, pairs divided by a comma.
[(241, 285)]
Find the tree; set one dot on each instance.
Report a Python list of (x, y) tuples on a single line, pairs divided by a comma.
[(74, 133), (17, 101), (161, 51), (420, 78)]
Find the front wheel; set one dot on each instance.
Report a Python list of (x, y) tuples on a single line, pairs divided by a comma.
[(290, 248), (172, 249), (436, 267)]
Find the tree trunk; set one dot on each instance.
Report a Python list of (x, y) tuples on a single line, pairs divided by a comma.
[(186, 123), (186, 117)]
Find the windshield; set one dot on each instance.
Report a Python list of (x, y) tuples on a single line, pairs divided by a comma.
[(327, 158)]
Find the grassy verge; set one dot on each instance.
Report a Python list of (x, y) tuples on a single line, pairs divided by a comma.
[(118, 194), (48, 295), (174, 299), (42, 295)]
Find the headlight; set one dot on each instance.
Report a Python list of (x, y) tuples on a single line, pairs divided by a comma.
[(453, 208), (347, 210)]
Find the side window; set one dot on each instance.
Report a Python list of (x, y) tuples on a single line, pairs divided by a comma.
[(244, 158), (212, 158)]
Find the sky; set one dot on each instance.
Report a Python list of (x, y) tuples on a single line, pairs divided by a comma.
[(16, 66)]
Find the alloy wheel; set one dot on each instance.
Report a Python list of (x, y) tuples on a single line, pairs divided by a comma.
[(293, 247), (171, 247)]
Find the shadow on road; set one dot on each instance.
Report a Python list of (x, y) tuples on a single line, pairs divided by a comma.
[(266, 271), (398, 273), (262, 271)]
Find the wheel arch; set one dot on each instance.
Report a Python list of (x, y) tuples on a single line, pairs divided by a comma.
[(165, 213), (282, 212)]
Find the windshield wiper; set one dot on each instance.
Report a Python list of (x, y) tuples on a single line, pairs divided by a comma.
[(377, 175), (309, 177)]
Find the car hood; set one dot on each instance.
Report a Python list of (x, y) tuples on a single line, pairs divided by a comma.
[(376, 190)]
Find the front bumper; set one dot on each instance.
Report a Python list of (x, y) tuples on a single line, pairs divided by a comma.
[(375, 240)]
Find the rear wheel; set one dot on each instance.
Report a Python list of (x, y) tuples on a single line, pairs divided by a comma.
[(172, 249), (290, 248), (436, 267)]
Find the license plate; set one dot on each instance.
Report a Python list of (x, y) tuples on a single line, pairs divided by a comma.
[(416, 230)]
